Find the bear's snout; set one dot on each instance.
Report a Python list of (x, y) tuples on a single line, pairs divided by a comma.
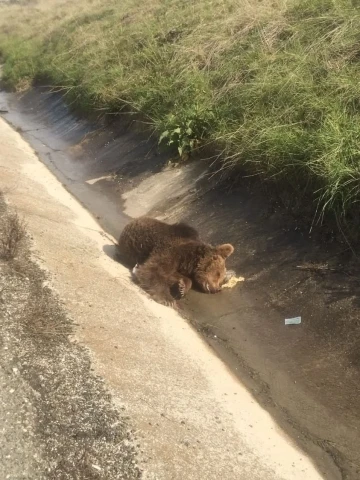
[(211, 288)]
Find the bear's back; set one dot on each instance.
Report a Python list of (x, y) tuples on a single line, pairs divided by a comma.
[(145, 235)]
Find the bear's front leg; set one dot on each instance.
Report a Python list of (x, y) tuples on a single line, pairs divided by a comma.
[(157, 280), (179, 285)]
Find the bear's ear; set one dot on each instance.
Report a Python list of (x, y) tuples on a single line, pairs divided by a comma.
[(225, 250)]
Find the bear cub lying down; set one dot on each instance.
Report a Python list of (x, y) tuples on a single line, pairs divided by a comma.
[(170, 259)]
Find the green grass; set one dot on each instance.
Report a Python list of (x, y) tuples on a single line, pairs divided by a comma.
[(273, 85)]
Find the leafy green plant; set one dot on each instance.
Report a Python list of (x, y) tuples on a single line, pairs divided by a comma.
[(186, 132)]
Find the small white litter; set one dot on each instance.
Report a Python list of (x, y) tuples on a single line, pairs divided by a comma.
[(293, 321)]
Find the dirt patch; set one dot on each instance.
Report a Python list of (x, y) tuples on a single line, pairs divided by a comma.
[(68, 423)]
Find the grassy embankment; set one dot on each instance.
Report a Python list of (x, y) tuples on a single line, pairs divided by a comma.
[(275, 85)]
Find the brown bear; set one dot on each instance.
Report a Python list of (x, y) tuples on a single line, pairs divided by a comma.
[(171, 259)]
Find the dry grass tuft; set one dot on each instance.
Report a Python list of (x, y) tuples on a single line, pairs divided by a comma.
[(12, 234)]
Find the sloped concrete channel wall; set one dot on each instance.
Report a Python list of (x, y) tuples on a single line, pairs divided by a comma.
[(307, 376)]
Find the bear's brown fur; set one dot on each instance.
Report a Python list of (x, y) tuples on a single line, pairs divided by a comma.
[(171, 259), (144, 235)]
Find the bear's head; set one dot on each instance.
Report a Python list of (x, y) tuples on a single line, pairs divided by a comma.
[(210, 271)]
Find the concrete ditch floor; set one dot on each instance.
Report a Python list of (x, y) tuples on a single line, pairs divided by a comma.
[(175, 410)]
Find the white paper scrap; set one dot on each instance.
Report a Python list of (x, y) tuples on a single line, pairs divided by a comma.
[(293, 321)]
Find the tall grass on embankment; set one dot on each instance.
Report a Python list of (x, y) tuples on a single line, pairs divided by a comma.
[(273, 84)]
